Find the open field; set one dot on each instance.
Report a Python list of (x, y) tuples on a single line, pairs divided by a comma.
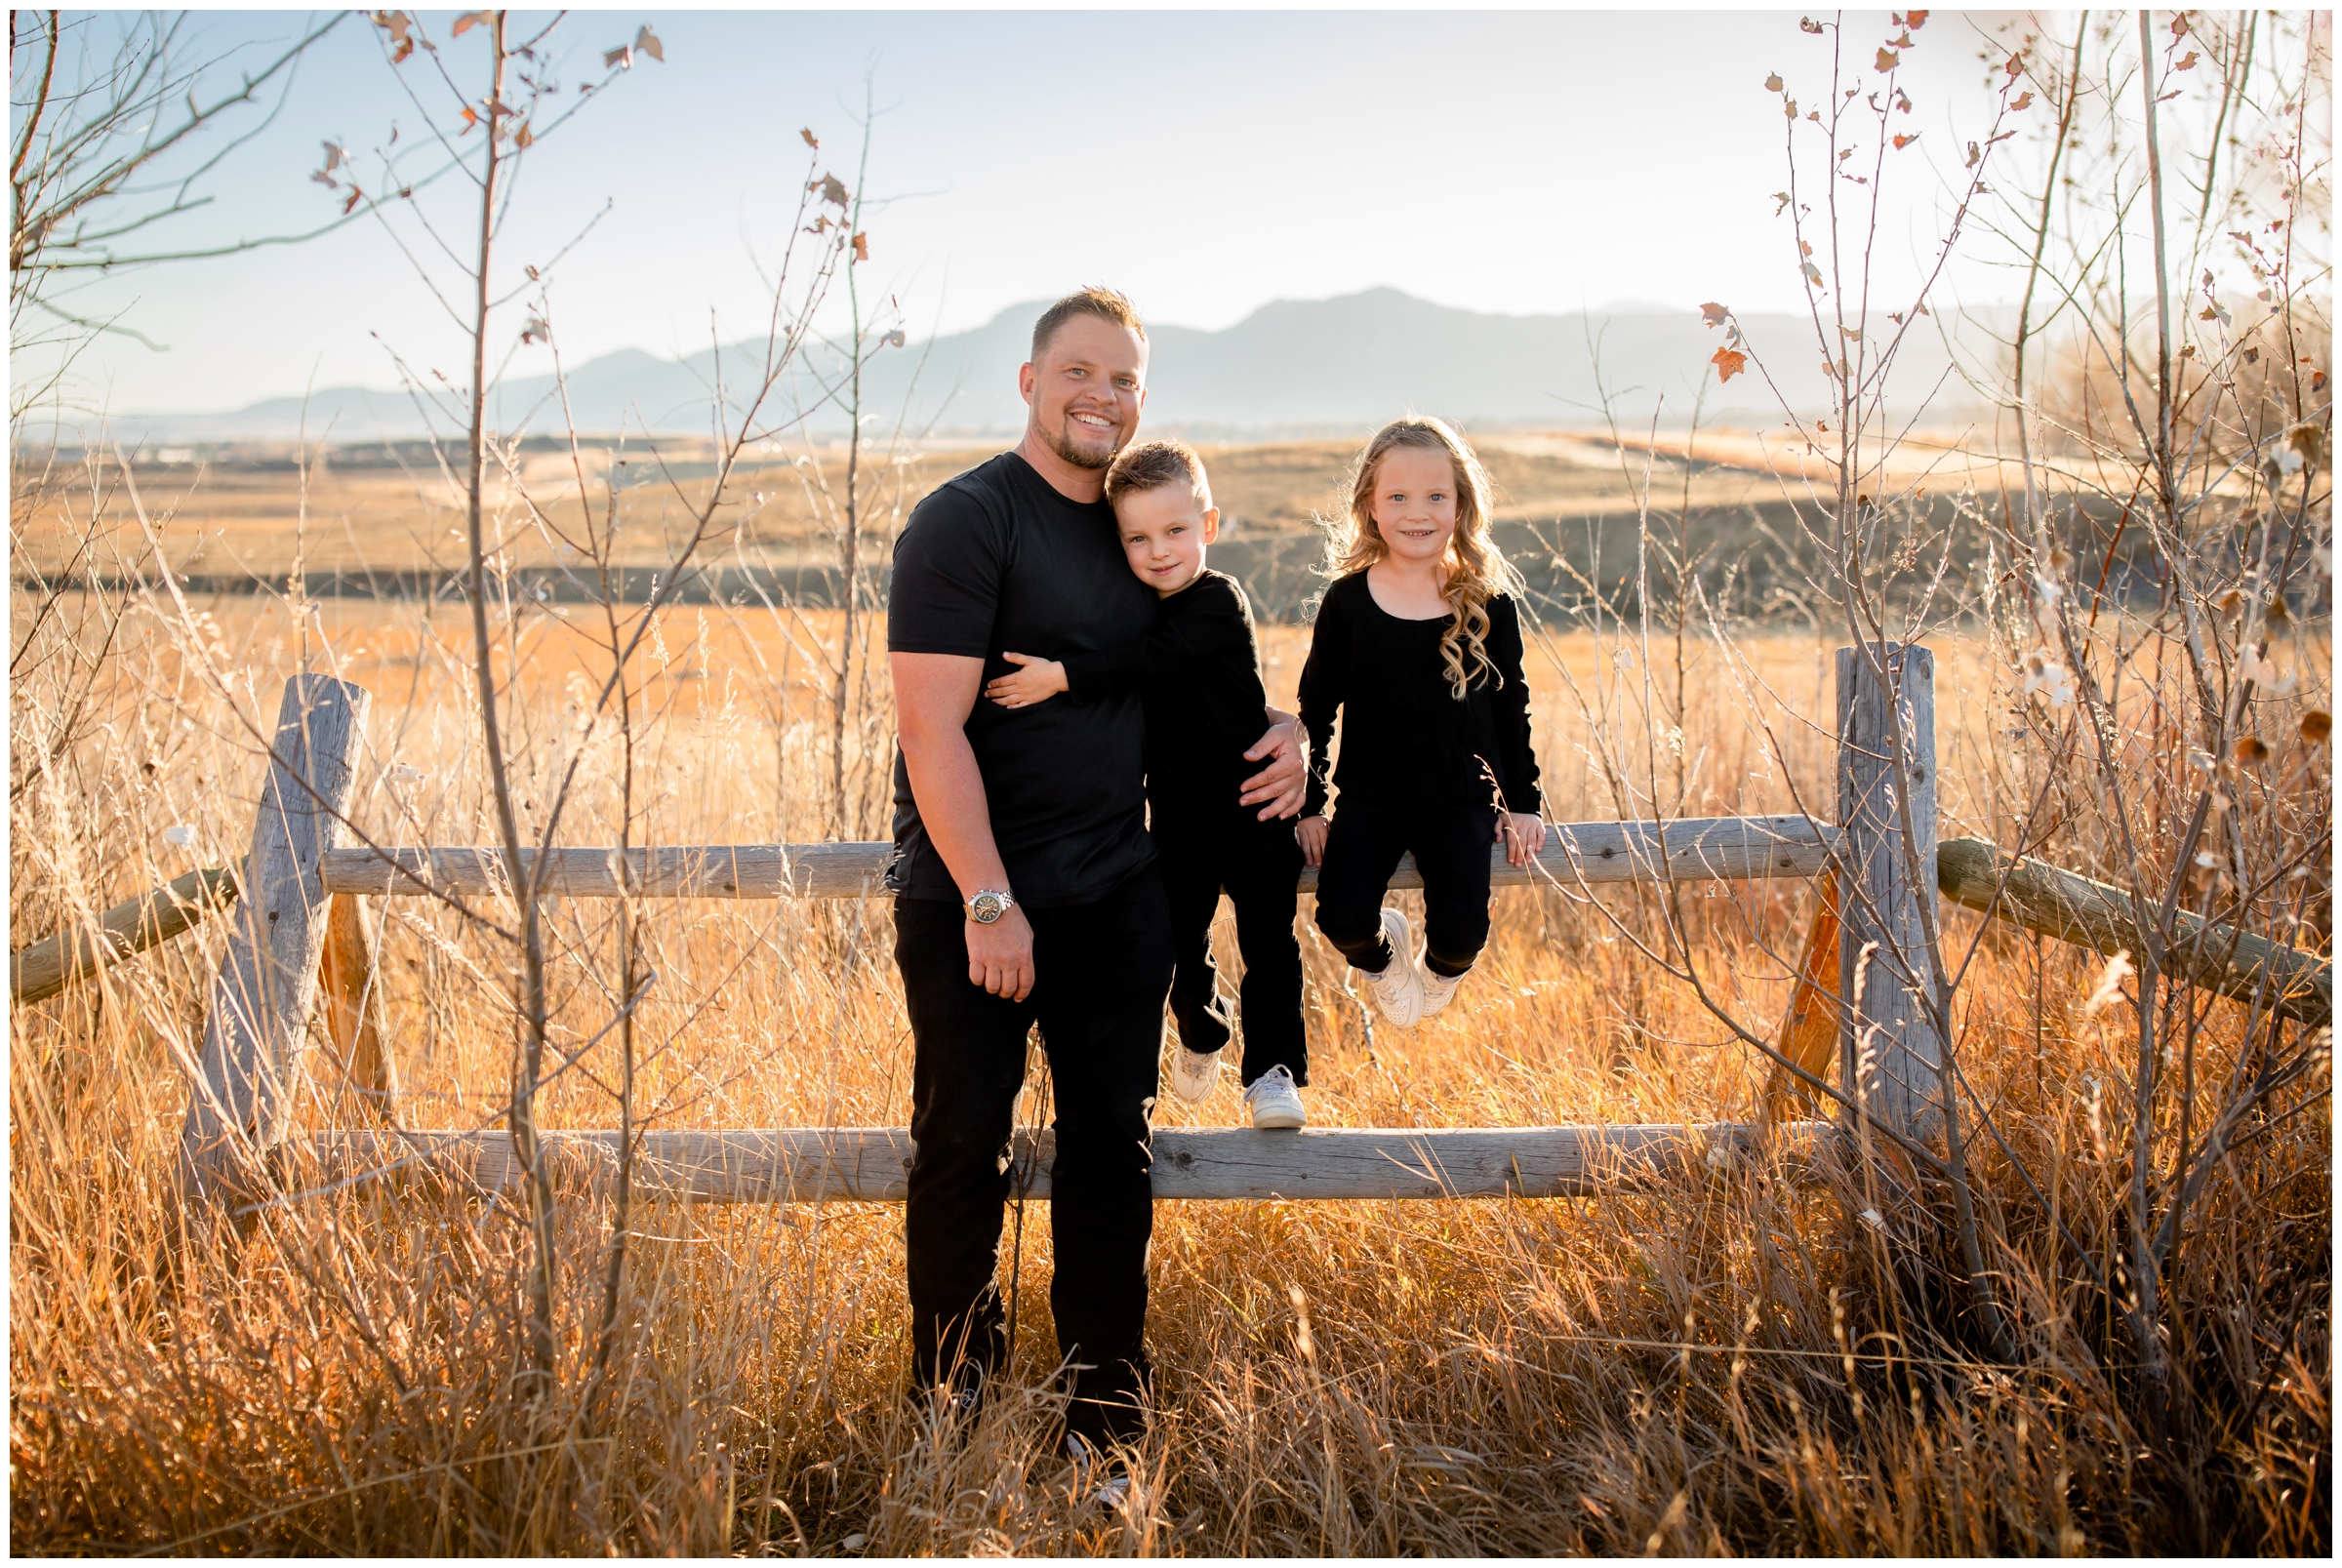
[(384, 522), (1713, 1367), (392, 508)]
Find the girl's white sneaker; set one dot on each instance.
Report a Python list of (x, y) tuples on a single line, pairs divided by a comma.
[(1193, 1075), (1437, 990), (1275, 1102), (1398, 989)]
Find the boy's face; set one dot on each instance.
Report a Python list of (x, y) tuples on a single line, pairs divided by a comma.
[(1164, 531)]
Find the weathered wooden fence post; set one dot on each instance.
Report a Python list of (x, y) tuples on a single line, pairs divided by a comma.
[(1892, 1057), (349, 1006), (259, 1020)]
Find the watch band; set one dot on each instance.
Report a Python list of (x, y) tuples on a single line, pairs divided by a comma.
[(988, 904)]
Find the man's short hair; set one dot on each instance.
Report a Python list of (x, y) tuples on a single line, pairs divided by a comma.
[(1107, 304), (1148, 466)]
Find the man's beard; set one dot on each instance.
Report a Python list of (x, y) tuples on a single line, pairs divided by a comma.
[(1056, 441)]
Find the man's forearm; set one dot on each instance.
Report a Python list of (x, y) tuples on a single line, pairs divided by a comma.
[(949, 788)]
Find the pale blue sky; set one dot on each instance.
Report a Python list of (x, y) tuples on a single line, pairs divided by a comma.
[(1204, 162)]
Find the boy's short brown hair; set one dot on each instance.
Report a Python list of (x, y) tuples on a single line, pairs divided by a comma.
[(1152, 464), (1107, 304)]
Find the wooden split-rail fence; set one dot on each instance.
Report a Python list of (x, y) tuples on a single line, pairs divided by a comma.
[(300, 949)]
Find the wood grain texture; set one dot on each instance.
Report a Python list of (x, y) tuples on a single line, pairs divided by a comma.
[(349, 1007), (1809, 1031), (1892, 1055), (868, 1164), (41, 970), (1576, 854), (258, 1020), (2075, 908)]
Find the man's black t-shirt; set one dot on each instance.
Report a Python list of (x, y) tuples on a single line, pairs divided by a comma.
[(995, 559)]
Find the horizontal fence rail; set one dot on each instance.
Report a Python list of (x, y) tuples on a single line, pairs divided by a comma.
[(869, 1164), (2075, 908), (1690, 850), (132, 926)]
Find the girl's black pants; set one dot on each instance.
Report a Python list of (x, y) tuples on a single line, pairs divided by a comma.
[(1451, 846)]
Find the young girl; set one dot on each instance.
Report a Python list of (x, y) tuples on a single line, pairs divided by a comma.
[(1418, 643)]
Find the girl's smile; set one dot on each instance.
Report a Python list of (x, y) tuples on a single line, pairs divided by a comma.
[(1414, 505)]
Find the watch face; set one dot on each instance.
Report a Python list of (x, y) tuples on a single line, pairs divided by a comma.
[(985, 909)]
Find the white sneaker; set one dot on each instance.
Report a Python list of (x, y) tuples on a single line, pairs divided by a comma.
[(1193, 1075), (1398, 989), (1437, 990), (1275, 1101), (1113, 1492)]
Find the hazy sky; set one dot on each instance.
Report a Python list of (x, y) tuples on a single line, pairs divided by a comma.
[(1204, 162)]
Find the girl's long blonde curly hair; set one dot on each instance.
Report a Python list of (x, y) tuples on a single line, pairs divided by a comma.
[(1476, 570)]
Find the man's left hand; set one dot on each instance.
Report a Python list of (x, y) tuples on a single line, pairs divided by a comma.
[(1279, 789)]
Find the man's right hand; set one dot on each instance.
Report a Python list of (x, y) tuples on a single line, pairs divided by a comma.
[(1000, 955)]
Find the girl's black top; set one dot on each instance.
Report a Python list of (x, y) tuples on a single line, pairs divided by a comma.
[(1406, 737)]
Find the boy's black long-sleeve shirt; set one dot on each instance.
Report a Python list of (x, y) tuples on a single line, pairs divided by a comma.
[(1198, 672), (1406, 737)]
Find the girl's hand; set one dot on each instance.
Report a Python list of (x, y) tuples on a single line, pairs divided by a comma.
[(1523, 834), (1039, 680), (1310, 834)]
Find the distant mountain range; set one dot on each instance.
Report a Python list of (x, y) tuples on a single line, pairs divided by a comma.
[(1291, 368)]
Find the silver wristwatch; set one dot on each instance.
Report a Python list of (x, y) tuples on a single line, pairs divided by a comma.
[(988, 906)]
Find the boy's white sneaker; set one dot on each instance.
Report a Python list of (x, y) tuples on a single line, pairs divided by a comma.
[(1437, 990), (1112, 1480), (1398, 989), (1193, 1075), (1275, 1102)]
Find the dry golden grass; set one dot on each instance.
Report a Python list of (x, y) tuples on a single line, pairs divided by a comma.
[(371, 508), (1713, 1368)]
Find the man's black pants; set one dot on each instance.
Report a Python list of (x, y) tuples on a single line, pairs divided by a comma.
[(1259, 864), (1450, 845), (1101, 972)]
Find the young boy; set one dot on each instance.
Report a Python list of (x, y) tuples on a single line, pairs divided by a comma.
[(1199, 674)]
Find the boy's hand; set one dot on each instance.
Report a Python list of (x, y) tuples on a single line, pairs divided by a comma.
[(1523, 834), (1039, 680), (1310, 834)]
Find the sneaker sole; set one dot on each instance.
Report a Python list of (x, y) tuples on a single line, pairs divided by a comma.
[(1402, 938), (1273, 1123)]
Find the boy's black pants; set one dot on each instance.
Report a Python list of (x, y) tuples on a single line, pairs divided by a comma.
[(1257, 864), (1450, 845), (1100, 971)]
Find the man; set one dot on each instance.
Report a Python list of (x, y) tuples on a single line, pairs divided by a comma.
[(1025, 879)]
